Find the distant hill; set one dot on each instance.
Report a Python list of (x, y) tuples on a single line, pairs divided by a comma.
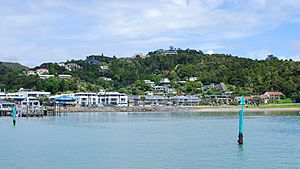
[(240, 75), (9, 66)]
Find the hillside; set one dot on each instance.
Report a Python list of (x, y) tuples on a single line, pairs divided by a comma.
[(9, 66), (241, 75)]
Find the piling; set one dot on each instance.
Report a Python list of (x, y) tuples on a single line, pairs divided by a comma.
[(241, 122), (14, 115)]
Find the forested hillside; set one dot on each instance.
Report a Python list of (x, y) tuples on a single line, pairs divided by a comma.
[(241, 75)]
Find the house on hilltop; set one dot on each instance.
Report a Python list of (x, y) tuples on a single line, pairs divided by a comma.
[(42, 71)]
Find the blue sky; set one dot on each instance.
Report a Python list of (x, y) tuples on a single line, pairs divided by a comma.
[(33, 32)]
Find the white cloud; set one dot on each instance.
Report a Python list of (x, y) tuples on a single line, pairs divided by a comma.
[(260, 54), (76, 28), (210, 52)]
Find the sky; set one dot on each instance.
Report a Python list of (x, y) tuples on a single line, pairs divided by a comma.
[(33, 32)]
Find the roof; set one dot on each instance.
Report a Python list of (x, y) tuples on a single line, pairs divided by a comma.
[(5, 102), (65, 98), (275, 93)]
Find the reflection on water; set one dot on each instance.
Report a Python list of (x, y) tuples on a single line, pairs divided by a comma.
[(151, 140)]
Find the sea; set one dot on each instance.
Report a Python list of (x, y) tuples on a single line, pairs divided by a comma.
[(151, 140)]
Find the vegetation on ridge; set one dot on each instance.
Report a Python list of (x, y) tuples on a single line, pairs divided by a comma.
[(241, 75)]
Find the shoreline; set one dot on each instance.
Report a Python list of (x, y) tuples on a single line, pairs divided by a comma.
[(176, 109)]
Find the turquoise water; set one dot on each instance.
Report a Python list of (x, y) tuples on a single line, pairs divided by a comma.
[(150, 140)]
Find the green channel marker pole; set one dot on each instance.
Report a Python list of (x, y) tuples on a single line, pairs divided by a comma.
[(14, 115), (241, 122)]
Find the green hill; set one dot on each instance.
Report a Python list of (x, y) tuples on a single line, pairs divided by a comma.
[(9, 66), (241, 75)]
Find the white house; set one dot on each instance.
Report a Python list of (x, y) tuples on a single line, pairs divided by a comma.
[(42, 71), (30, 72), (272, 96)]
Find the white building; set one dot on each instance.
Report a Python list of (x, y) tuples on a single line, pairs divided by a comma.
[(113, 98), (64, 76), (30, 72), (164, 81), (86, 99), (23, 94), (149, 82), (155, 100), (192, 79), (185, 100), (2, 95), (104, 68), (107, 79), (182, 82), (46, 76)]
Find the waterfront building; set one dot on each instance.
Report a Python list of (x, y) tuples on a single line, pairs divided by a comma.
[(219, 98), (267, 96), (64, 99), (155, 100), (112, 98), (135, 100), (86, 99), (22, 94), (185, 100), (6, 106)]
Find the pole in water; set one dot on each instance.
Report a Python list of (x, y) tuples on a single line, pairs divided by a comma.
[(14, 115), (241, 122)]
